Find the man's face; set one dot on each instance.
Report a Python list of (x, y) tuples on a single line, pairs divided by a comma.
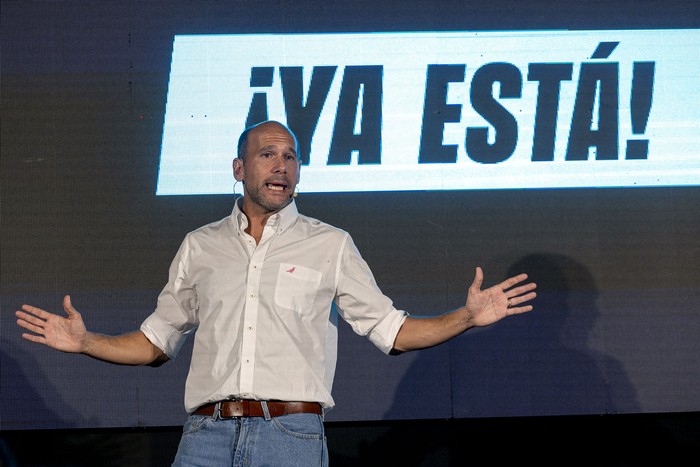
[(270, 170)]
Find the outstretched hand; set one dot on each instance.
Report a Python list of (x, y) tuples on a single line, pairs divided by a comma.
[(507, 298), (62, 333)]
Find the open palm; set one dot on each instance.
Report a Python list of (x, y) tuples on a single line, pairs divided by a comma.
[(62, 333), (490, 305)]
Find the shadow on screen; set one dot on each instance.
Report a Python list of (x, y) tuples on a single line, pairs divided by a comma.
[(542, 363), (535, 365), (25, 407), (39, 428)]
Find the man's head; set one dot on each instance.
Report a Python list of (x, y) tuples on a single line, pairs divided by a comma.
[(268, 165)]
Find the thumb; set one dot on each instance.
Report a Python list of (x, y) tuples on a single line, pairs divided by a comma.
[(478, 280), (68, 306)]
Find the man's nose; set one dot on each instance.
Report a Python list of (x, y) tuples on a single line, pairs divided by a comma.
[(279, 166)]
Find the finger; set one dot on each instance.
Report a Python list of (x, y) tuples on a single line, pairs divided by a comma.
[(68, 306), (519, 309), (34, 338), (36, 311), (520, 290), (515, 301), (478, 278), (31, 327), (28, 317), (527, 297), (510, 282)]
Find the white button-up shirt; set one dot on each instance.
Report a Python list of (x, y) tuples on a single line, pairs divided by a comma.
[(263, 313)]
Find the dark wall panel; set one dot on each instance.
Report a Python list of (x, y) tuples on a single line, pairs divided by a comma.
[(83, 94)]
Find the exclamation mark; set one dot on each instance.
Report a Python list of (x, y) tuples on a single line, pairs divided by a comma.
[(640, 108), (260, 77)]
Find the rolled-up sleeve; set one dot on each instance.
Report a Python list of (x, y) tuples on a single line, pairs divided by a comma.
[(362, 304), (175, 316)]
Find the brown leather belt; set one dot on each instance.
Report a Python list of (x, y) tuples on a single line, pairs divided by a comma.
[(250, 408)]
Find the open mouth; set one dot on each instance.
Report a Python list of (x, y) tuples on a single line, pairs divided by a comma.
[(276, 186)]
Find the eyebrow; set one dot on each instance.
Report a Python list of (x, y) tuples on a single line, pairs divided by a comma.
[(271, 147)]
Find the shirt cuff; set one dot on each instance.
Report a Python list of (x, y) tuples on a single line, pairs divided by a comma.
[(163, 336), (384, 334)]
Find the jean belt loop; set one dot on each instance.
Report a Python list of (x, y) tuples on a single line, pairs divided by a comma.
[(266, 410), (217, 411)]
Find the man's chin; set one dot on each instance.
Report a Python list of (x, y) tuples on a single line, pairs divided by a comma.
[(270, 202), (277, 204)]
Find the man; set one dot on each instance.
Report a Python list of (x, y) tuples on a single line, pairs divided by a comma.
[(257, 287)]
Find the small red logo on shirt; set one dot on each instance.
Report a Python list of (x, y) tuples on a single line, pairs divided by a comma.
[(291, 270)]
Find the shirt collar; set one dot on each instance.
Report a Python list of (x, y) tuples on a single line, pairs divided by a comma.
[(283, 220)]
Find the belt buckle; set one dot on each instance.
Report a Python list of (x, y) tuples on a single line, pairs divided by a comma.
[(244, 409)]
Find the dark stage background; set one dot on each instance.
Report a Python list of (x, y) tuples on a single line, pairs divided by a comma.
[(610, 351)]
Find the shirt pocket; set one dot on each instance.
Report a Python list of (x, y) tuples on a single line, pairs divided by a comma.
[(297, 287)]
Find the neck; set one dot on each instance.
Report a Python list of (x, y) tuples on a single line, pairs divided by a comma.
[(257, 218)]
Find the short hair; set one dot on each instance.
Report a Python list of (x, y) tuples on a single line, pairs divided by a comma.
[(243, 139)]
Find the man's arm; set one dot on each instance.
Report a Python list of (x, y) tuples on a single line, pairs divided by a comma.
[(68, 334), (483, 307)]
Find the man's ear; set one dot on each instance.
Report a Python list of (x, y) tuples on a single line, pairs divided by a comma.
[(238, 170)]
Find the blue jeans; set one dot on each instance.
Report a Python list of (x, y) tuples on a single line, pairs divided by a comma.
[(286, 441)]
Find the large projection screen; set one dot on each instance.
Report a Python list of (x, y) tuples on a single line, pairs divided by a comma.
[(554, 138)]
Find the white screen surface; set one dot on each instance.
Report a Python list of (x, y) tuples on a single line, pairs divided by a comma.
[(441, 110)]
